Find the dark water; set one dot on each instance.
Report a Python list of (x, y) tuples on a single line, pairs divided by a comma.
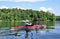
[(50, 32)]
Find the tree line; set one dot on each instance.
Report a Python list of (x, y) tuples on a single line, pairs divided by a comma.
[(29, 14), (58, 18)]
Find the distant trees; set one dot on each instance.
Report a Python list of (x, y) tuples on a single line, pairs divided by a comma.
[(58, 18), (20, 14)]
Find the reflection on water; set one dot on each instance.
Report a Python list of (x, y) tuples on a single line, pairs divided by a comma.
[(52, 31)]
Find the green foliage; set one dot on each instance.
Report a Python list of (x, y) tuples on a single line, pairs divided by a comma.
[(19, 14)]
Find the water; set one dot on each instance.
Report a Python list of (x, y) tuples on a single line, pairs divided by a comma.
[(51, 32)]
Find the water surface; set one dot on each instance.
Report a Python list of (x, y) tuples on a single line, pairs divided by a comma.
[(50, 32)]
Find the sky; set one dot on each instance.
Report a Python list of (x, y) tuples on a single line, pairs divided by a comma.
[(45, 5)]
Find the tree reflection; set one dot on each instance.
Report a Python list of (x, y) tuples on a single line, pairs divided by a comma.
[(51, 23)]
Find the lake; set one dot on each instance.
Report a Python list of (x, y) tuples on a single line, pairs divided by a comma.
[(52, 31)]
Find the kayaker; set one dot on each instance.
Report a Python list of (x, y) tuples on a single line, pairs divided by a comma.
[(27, 24)]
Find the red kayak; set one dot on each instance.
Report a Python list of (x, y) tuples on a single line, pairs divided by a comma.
[(29, 27)]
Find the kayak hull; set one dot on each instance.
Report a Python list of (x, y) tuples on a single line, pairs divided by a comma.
[(29, 27)]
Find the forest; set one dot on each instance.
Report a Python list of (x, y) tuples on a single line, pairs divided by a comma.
[(21, 14), (12, 17)]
